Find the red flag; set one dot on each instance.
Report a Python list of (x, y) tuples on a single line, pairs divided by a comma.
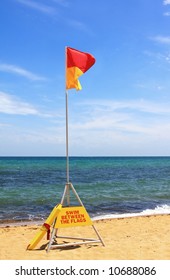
[(77, 63)]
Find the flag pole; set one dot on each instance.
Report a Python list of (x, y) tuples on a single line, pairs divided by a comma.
[(67, 154), (66, 97)]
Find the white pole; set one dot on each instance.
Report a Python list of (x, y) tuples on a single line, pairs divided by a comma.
[(67, 155), (66, 93)]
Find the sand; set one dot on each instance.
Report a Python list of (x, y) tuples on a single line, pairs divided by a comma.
[(134, 238)]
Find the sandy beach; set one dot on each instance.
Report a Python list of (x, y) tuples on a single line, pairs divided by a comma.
[(134, 238)]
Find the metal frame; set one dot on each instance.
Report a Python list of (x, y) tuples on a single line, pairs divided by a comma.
[(55, 236)]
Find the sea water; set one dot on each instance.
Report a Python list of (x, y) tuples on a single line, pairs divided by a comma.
[(108, 186)]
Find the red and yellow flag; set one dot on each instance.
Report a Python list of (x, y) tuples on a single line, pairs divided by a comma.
[(77, 63)]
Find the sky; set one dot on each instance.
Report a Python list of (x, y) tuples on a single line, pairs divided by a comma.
[(123, 108)]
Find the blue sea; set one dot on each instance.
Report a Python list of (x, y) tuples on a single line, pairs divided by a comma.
[(108, 186)]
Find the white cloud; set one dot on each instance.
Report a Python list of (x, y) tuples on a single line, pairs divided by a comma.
[(166, 2), (167, 14), (39, 7), (104, 127), (106, 122), (141, 105), (52, 11), (159, 59), (20, 71), (11, 105), (113, 127), (162, 39)]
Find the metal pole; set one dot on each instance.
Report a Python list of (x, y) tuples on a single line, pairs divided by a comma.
[(66, 92), (67, 155)]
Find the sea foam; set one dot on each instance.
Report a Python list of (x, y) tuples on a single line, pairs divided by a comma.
[(158, 210)]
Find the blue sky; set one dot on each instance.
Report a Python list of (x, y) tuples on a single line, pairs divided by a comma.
[(124, 106)]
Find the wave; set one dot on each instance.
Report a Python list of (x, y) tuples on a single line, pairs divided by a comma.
[(158, 210)]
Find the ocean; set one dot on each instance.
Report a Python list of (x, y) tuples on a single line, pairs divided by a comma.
[(108, 186)]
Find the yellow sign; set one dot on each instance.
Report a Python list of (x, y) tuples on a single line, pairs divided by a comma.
[(73, 216)]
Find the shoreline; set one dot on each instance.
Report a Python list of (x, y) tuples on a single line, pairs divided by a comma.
[(12, 223), (163, 209)]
